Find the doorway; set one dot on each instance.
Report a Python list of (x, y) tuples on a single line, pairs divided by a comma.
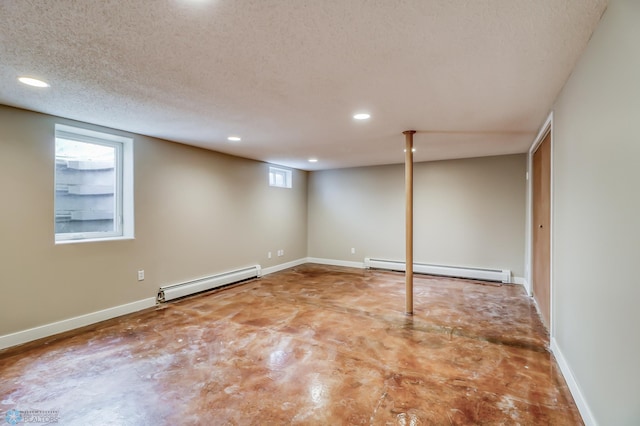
[(541, 228)]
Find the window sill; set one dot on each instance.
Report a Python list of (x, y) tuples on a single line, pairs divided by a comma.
[(93, 240)]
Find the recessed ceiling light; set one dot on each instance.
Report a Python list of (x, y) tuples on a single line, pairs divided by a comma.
[(313, 160), (33, 82), (234, 138), (362, 116)]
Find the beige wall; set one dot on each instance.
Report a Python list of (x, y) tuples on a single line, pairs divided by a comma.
[(197, 213), (596, 214), (468, 212)]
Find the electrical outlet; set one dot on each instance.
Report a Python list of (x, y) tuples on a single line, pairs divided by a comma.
[(269, 255), (280, 253), (141, 275), (353, 250)]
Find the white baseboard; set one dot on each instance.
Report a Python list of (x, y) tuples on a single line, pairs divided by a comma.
[(576, 392), (51, 329), (528, 285), (47, 330), (334, 262), (283, 266), (520, 280)]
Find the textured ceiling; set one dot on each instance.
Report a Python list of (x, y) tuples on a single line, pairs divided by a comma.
[(474, 77)]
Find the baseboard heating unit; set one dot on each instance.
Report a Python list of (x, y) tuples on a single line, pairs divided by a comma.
[(176, 291), (501, 275)]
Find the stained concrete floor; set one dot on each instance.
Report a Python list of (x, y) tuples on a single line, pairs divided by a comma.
[(309, 345)]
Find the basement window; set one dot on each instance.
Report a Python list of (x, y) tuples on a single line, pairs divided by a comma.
[(93, 196), (279, 177)]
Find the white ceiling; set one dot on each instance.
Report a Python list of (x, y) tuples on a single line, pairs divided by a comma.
[(474, 77)]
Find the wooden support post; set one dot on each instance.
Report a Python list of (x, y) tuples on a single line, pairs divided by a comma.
[(408, 169)]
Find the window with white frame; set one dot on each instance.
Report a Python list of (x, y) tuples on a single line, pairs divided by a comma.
[(93, 185), (279, 177)]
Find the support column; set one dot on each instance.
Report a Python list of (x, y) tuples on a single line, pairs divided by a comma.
[(408, 175)]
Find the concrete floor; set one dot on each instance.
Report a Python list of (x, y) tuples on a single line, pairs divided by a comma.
[(309, 345)]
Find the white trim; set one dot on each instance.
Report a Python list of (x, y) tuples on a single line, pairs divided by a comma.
[(47, 330), (128, 218), (54, 328), (51, 329), (286, 174), (576, 392), (82, 134), (541, 133), (502, 275), (93, 240), (124, 183), (283, 266), (334, 262), (522, 281), (546, 127), (538, 311), (188, 288)]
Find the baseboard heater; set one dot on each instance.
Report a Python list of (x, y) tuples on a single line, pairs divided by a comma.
[(175, 291), (502, 275)]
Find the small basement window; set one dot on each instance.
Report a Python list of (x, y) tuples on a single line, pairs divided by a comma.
[(279, 177), (93, 185)]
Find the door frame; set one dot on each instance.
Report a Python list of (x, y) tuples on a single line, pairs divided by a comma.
[(547, 127)]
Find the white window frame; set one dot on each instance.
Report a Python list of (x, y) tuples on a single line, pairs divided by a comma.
[(124, 214), (286, 174)]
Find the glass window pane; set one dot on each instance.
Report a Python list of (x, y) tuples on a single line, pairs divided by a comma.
[(279, 177), (85, 199)]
